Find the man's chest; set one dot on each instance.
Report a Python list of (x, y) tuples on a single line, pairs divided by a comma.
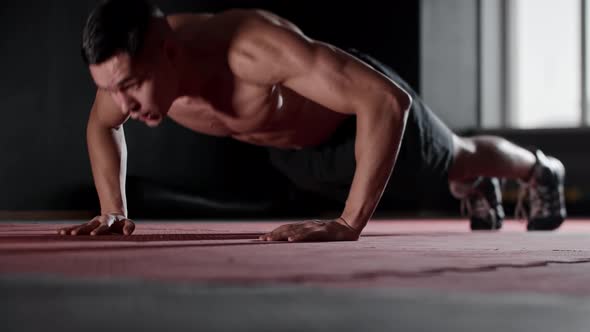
[(228, 108)]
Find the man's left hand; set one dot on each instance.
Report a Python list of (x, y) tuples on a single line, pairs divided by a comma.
[(313, 230)]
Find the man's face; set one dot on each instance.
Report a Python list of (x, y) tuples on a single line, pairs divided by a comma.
[(142, 88)]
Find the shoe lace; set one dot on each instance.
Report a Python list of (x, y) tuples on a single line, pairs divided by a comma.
[(475, 206), (540, 200)]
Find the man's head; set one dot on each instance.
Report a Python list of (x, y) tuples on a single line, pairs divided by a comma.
[(129, 55)]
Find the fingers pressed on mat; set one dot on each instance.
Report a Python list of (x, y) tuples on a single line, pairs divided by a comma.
[(117, 227), (86, 228), (100, 230), (67, 230), (128, 228)]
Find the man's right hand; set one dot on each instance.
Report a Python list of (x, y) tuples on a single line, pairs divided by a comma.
[(102, 225)]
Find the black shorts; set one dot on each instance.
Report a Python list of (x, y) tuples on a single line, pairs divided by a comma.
[(421, 170)]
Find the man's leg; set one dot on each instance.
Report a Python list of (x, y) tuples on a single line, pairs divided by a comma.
[(479, 161), (473, 166), (489, 156)]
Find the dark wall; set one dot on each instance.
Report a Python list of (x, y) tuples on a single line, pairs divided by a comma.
[(46, 93), (44, 99)]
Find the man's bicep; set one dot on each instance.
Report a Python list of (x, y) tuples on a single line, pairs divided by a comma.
[(317, 71), (345, 84), (333, 79)]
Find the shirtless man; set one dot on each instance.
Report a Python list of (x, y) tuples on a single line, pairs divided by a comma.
[(336, 122)]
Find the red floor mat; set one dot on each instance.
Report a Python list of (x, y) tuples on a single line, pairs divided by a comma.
[(412, 254)]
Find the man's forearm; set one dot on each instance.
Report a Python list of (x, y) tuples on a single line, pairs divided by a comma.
[(108, 158), (378, 138)]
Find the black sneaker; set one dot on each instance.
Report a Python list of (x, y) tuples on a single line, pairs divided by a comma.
[(481, 201), (546, 200)]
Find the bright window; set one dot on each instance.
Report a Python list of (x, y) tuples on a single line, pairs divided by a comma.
[(544, 63)]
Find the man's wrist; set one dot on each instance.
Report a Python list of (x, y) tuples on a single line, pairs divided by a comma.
[(119, 216), (114, 217), (115, 211), (357, 227)]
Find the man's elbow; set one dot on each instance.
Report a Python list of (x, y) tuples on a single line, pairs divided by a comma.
[(402, 99), (397, 102)]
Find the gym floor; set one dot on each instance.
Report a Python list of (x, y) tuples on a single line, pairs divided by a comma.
[(407, 275)]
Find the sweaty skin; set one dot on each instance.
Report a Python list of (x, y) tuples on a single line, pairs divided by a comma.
[(257, 78)]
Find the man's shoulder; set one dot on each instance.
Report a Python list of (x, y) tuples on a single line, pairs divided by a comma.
[(187, 21), (220, 28)]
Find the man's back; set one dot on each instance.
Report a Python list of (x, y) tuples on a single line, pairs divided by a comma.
[(271, 115)]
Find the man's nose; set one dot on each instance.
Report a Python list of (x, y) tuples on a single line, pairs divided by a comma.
[(132, 108)]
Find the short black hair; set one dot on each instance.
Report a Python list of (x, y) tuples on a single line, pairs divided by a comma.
[(116, 26)]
